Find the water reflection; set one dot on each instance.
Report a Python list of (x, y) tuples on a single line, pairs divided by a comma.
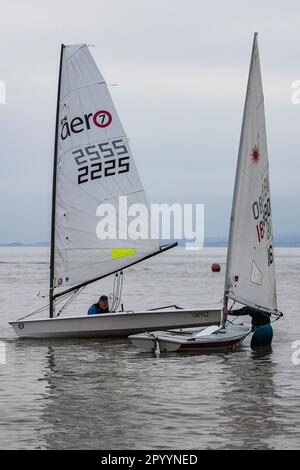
[(85, 397), (108, 396), (250, 400)]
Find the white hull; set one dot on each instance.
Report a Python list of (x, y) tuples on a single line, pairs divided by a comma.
[(227, 339), (114, 324)]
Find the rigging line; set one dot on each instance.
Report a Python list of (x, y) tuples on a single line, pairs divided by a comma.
[(115, 303), (69, 301), (118, 290), (114, 290), (167, 306), (41, 309), (116, 293), (121, 289)]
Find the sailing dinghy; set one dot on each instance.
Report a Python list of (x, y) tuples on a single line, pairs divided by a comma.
[(93, 167), (250, 270)]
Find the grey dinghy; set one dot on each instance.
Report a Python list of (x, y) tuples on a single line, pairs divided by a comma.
[(212, 339), (250, 270)]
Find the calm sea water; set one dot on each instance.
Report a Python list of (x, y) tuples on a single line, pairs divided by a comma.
[(90, 394)]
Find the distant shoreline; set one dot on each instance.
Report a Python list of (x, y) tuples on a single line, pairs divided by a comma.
[(288, 242)]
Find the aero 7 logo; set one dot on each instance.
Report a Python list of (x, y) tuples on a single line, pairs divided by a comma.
[(101, 118)]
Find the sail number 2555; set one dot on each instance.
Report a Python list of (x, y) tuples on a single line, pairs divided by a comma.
[(101, 160)]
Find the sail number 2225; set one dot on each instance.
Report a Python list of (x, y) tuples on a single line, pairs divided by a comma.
[(101, 160)]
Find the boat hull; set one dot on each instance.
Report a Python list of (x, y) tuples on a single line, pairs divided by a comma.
[(223, 340), (111, 325)]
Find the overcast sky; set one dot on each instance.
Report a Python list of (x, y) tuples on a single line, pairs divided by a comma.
[(181, 69)]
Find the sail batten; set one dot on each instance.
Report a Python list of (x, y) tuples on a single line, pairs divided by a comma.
[(94, 166), (250, 270)]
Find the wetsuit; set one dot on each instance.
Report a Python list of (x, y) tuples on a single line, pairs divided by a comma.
[(261, 326)]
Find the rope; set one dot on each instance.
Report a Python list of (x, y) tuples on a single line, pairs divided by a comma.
[(120, 289), (34, 313), (72, 297), (167, 306), (41, 309), (117, 291)]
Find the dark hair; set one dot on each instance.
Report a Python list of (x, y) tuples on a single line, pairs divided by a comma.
[(103, 297)]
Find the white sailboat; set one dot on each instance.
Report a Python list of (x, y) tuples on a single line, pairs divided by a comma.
[(250, 270), (93, 167)]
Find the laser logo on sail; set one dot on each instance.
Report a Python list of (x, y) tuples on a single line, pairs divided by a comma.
[(101, 119), (255, 154)]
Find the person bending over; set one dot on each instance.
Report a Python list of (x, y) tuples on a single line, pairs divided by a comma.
[(100, 307), (261, 325)]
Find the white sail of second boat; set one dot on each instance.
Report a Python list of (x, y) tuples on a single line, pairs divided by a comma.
[(94, 167), (250, 274)]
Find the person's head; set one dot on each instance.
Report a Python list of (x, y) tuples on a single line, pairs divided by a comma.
[(103, 302)]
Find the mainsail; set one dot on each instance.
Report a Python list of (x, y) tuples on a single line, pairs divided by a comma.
[(93, 166), (250, 272)]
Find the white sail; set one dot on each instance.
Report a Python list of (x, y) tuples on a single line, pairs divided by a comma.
[(94, 167), (250, 273)]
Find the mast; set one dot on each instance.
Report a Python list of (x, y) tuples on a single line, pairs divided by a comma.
[(236, 189), (52, 252)]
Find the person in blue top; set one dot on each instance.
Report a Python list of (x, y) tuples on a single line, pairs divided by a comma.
[(100, 307)]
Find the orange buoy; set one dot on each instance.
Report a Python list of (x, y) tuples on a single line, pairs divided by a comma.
[(216, 268)]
